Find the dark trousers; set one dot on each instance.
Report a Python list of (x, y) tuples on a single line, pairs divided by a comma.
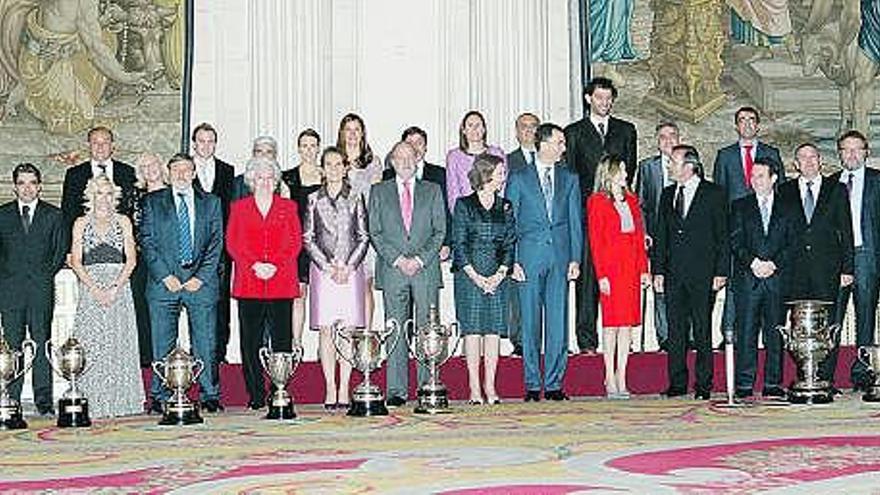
[(514, 316), (864, 291), (37, 316), (689, 302), (759, 310), (223, 312), (586, 303), (142, 311), (661, 323), (254, 316)]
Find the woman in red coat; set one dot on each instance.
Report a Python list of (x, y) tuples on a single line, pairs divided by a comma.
[(617, 246), (264, 238)]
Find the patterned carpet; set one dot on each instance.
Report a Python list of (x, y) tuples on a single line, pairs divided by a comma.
[(591, 446)]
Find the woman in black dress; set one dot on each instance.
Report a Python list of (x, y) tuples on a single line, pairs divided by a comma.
[(301, 181), (483, 240)]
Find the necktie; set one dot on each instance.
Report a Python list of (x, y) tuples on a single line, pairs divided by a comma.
[(679, 201), (765, 214), (601, 126), (406, 206), (809, 202), (748, 163), (531, 157), (184, 237), (103, 167), (26, 218), (547, 188), (849, 184)]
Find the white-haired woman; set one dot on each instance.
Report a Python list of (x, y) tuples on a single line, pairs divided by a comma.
[(264, 238), (103, 257)]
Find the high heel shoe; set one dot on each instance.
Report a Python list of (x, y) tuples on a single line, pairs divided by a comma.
[(475, 402), (493, 400)]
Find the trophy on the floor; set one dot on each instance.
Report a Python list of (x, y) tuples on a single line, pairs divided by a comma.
[(69, 361), (365, 355), (178, 371), (280, 367), (13, 365), (869, 355), (810, 337), (430, 345)]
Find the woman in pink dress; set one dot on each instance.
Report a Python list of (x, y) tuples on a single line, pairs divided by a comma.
[(460, 160), (336, 237)]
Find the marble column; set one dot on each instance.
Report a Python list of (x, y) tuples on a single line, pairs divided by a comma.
[(686, 45)]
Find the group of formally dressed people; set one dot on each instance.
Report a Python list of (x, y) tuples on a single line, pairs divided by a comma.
[(519, 228)]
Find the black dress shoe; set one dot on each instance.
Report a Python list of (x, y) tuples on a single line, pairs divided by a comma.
[(555, 395), (256, 405), (44, 410), (774, 392), (517, 350), (664, 346), (395, 401), (743, 393), (702, 395), (533, 395), (671, 392), (156, 407), (213, 406)]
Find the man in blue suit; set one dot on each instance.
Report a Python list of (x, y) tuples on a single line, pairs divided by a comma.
[(863, 189), (182, 238), (733, 172), (546, 201)]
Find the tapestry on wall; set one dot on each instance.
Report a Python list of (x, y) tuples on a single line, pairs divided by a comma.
[(69, 65)]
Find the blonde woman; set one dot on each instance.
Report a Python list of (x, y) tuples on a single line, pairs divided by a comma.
[(103, 257), (617, 243)]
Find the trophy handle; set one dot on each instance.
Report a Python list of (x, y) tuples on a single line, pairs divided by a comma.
[(159, 370), (340, 334), (50, 356), (834, 333), (28, 346), (297, 353), (198, 366), (390, 327), (863, 356), (264, 357), (412, 343), (458, 339)]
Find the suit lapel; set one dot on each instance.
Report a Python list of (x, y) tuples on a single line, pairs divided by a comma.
[(559, 187), (536, 183)]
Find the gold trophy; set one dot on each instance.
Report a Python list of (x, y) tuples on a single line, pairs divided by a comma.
[(280, 366), (365, 355), (69, 361), (178, 371), (869, 355), (810, 337), (13, 365), (430, 346)]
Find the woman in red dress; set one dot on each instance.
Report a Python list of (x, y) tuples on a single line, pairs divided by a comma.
[(617, 245)]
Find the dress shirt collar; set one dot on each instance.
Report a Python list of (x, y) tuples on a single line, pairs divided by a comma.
[(96, 168), (32, 206), (596, 120), (858, 175)]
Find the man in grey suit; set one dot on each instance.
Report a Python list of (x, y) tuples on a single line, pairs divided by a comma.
[(407, 226), (653, 175), (526, 125)]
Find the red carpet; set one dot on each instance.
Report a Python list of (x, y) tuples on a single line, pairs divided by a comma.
[(585, 376)]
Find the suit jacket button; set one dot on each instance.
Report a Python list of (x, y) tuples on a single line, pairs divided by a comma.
[(679, 232), (808, 247)]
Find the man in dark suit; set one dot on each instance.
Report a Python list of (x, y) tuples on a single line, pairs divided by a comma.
[(691, 260), (407, 227), (182, 237), (33, 245), (550, 235), (100, 162), (653, 176), (216, 177), (526, 125), (263, 147), (863, 190), (733, 169), (587, 140), (759, 236), (822, 247)]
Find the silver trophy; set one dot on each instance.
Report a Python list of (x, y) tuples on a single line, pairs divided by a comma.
[(69, 361), (365, 355), (869, 355), (13, 365), (178, 371), (430, 345), (810, 337), (280, 367)]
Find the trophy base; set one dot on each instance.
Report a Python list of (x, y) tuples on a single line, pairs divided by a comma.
[(12, 419), (872, 394), (432, 401), (802, 396), (375, 407), (181, 416), (73, 413), (281, 412)]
